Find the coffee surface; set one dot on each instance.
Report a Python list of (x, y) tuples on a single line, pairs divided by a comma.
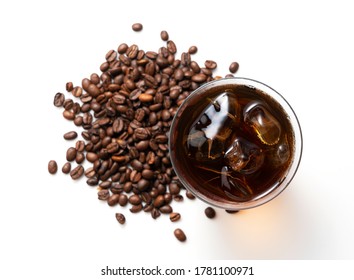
[(236, 142)]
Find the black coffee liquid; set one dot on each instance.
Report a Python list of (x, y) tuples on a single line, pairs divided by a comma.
[(237, 143)]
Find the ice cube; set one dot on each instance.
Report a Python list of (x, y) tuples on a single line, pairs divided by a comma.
[(266, 126), (244, 157), (281, 153), (206, 138)]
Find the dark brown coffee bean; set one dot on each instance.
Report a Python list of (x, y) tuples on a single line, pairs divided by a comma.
[(70, 135), (180, 235), (137, 27), (210, 212), (92, 182), (120, 218), (143, 184), (77, 172), (155, 213), (93, 90), (147, 174), (71, 154), (59, 99), (134, 199), (77, 91), (136, 208), (113, 199), (171, 47), (69, 115), (91, 157), (159, 201), (193, 49), (190, 195), (166, 209), (105, 184), (122, 48), (174, 217), (164, 35), (66, 168), (210, 64), (90, 172), (69, 86), (123, 200), (111, 55), (233, 67), (52, 167), (103, 194), (199, 78)]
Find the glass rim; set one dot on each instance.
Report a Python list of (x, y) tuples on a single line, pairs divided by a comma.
[(298, 144)]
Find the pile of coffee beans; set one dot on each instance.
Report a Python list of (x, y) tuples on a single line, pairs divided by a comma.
[(126, 113)]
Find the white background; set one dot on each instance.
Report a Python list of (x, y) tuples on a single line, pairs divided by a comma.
[(51, 225)]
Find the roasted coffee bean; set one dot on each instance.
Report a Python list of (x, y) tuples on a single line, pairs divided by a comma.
[(90, 172), (113, 199), (159, 201), (69, 86), (171, 46), (137, 27), (122, 48), (143, 184), (166, 209), (134, 199), (164, 35), (147, 174), (193, 49), (71, 154), (210, 64), (52, 167), (145, 97), (105, 184), (190, 195), (136, 208), (233, 67), (155, 213), (199, 78), (77, 91), (210, 212), (120, 218), (70, 135), (59, 99), (92, 181), (180, 235), (103, 194), (111, 55), (123, 200), (66, 168), (77, 172), (69, 115), (174, 217), (91, 157)]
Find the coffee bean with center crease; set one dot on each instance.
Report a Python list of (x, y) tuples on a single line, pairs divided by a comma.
[(174, 217), (120, 218), (59, 99), (77, 172), (52, 167), (180, 235)]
